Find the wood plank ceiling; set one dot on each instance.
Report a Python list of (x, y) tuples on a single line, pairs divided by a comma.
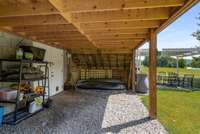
[(114, 26)]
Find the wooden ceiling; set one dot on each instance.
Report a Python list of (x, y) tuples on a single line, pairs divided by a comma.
[(110, 25)]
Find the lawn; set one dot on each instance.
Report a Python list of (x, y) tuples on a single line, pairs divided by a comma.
[(178, 111), (182, 71)]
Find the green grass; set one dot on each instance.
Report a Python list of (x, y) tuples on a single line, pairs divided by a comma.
[(182, 71), (178, 111)]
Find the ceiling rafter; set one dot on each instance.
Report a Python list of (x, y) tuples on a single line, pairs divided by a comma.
[(102, 5), (32, 20), (11, 8), (119, 15), (58, 5), (137, 24)]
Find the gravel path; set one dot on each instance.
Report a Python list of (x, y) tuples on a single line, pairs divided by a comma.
[(90, 112)]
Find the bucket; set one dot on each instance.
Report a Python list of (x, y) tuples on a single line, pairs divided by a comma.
[(1, 115)]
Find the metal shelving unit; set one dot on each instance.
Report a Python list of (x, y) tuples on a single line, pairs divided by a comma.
[(21, 113)]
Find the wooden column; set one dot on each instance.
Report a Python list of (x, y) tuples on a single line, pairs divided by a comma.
[(152, 74), (130, 76), (133, 71)]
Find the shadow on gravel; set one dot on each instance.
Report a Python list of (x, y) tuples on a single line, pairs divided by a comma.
[(117, 128)]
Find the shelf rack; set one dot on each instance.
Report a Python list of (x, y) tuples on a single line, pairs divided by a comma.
[(20, 114)]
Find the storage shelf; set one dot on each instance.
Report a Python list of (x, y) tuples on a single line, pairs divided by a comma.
[(24, 80), (20, 116), (24, 61), (8, 101), (33, 94)]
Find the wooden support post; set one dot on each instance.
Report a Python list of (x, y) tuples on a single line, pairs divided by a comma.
[(130, 76), (133, 72), (152, 74)]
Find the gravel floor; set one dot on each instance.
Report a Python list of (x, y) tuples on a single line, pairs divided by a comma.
[(90, 112)]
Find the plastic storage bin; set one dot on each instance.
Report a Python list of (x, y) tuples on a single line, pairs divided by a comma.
[(33, 107), (7, 94), (1, 115)]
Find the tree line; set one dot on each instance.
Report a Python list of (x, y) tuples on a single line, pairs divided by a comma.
[(165, 61)]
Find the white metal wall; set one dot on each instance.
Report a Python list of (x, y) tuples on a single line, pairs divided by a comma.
[(55, 56), (8, 48)]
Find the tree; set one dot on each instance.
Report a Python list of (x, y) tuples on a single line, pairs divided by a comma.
[(162, 61), (166, 61), (145, 62), (197, 33), (182, 63), (196, 62)]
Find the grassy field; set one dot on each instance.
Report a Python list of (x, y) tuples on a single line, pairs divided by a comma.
[(181, 71), (178, 111)]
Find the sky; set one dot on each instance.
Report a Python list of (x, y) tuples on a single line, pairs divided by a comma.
[(178, 34)]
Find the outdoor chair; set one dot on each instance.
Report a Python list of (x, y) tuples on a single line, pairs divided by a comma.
[(172, 79), (162, 78), (187, 81)]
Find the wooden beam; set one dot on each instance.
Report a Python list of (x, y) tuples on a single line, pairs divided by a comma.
[(181, 11), (116, 31), (119, 36), (76, 46), (131, 44), (133, 72), (55, 36), (65, 40), (59, 6), (73, 45), (94, 60), (53, 33), (99, 54), (91, 60), (80, 45), (117, 46), (129, 75), (60, 38), (117, 61), (137, 24), (75, 42), (25, 8), (32, 20), (99, 5), (109, 61), (152, 74), (86, 61), (45, 28), (103, 51), (121, 41), (119, 15), (115, 51), (141, 43), (116, 40), (70, 34)]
